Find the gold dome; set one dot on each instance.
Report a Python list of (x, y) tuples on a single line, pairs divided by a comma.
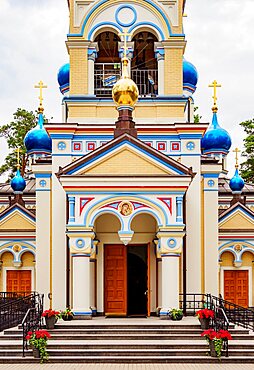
[(125, 91)]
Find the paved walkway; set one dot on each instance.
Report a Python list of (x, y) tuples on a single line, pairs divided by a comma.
[(128, 367)]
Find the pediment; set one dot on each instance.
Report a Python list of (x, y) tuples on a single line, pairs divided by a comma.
[(16, 218), (237, 219), (126, 156)]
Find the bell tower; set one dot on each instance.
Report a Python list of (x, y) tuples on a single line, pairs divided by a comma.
[(155, 49)]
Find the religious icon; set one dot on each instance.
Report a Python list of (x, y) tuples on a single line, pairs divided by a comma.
[(125, 208)]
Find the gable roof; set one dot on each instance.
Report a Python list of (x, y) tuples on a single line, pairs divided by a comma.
[(17, 217), (238, 216), (167, 165)]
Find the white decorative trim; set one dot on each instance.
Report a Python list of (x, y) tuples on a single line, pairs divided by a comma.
[(249, 269), (5, 269)]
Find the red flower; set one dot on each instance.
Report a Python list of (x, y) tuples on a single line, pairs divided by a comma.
[(205, 313)]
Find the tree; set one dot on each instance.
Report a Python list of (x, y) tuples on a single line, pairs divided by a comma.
[(14, 132), (247, 167), (197, 117)]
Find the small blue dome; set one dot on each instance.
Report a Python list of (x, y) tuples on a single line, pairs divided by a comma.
[(236, 183), (37, 140), (63, 78), (18, 184), (190, 76), (216, 139)]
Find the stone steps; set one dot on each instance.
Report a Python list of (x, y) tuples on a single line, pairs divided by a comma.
[(106, 341)]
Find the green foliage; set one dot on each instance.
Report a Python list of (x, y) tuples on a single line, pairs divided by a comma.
[(197, 117), (14, 133), (247, 168)]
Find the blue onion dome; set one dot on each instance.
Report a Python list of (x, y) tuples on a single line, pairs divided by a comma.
[(190, 77), (216, 140), (63, 78), (37, 140), (18, 184), (236, 183)]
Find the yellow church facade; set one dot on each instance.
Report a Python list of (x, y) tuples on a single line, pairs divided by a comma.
[(133, 206)]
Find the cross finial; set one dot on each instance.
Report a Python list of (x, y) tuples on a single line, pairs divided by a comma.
[(125, 34), (215, 85), (18, 157), (40, 86), (236, 151)]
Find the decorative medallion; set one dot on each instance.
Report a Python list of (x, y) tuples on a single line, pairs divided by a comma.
[(126, 15), (61, 145), (238, 247), (80, 243), (16, 248), (125, 208), (171, 243), (190, 145), (210, 183), (43, 183)]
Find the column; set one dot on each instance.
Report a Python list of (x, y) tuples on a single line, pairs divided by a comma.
[(179, 209), (210, 238), (81, 248), (160, 55), (71, 209), (170, 283), (92, 55), (81, 285), (170, 249)]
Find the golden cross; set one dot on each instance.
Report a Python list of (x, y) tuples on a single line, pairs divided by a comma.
[(125, 34), (40, 86), (214, 85), (236, 151), (18, 157)]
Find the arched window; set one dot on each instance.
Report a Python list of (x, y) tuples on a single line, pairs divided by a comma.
[(107, 69), (144, 66)]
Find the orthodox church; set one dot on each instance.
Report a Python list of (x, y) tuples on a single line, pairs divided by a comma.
[(127, 207)]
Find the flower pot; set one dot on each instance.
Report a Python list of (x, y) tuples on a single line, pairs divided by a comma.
[(212, 348), (50, 322), (36, 352), (205, 323), (67, 317)]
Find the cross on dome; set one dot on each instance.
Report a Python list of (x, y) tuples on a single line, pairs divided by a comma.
[(236, 151), (40, 86), (215, 85)]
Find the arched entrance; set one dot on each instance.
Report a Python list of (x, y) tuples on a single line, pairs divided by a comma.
[(126, 273)]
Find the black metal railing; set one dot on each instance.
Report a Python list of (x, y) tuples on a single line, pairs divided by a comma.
[(107, 74), (6, 297), (236, 314), (32, 320), (13, 311)]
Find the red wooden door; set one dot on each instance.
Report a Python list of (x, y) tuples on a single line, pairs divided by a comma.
[(236, 287), (19, 281), (115, 281)]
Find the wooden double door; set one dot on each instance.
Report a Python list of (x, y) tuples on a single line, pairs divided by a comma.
[(236, 287), (126, 280), (19, 281)]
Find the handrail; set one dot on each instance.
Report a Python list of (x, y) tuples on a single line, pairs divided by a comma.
[(32, 320)]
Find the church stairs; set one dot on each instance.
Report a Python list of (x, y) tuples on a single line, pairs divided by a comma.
[(137, 341)]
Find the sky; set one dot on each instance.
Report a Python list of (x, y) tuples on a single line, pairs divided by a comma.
[(220, 44)]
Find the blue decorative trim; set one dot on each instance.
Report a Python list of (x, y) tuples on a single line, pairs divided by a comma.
[(132, 145), (103, 24), (211, 175), (147, 24), (43, 175), (212, 189), (134, 15)]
